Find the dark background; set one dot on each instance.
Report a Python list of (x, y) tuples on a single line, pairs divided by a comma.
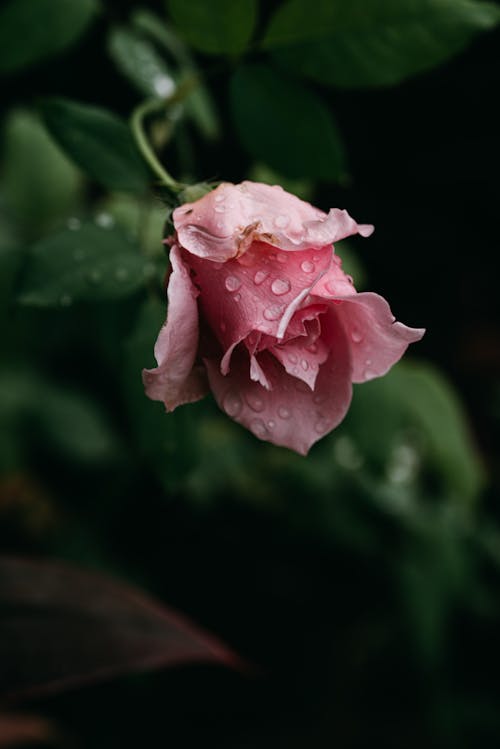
[(337, 664)]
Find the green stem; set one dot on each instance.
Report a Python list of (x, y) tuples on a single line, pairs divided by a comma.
[(144, 110), (148, 107)]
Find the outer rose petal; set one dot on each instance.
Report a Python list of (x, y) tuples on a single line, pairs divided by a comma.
[(377, 341), (290, 414), (224, 223), (176, 380)]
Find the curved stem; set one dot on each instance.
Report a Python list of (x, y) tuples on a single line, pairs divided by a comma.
[(148, 107), (137, 123)]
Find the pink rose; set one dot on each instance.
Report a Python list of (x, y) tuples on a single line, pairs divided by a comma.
[(262, 314)]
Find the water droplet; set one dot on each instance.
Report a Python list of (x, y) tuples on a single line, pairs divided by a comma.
[(280, 286), (271, 424), (237, 297), (74, 223), (232, 404), (369, 374), (232, 283), (104, 220), (281, 221), (292, 358), (320, 398), (368, 362), (219, 209), (258, 427), (330, 288), (260, 277), (307, 266), (255, 402), (95, 276), (66, 300), (282, 257), (312, 348), (321, 426), (220, 197), (78, 255), (273, 312), (304, 364), (283, 412), (121, 274), (356, 335)]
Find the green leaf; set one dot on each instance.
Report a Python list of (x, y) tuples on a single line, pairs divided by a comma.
[(216, 27), (86, 263), (411, 422), (33, 30), (99, 142), (41, 185), (367, 43), (285, 124), (139, 61)]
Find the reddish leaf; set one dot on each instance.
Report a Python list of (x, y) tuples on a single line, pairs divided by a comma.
[(62, 626), (17, 730)]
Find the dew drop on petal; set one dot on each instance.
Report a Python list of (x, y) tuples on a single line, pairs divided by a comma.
[(255, 402), (232, 404), (271, 424), (313, 347), (283, 412), (260, 277), (220, 197), (281, 221), (292, 358), (321, 426), (320, 398), (232, 283), (356, 335), (273, 312), (307, 266), (282, 257), (280, 286), (237, 297), (219, 209), (369, 374), (258, 427), (304, 364)]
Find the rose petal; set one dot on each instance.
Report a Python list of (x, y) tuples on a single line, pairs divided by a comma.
[(334, 282), (224, 223), (238, 298), (176, 380), (302, 358), (290, 414), (376, 340)]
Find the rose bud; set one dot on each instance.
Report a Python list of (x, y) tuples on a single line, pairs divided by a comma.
[(261, 313)]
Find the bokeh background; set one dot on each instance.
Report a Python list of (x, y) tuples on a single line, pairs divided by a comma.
[(361, 585)]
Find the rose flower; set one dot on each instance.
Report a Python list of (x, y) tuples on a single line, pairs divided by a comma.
[(261, 313)]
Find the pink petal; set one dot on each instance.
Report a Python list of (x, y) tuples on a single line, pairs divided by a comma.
[(376, 340), (302, 358), (255, 292), (334, 282), (224, 223), (177, 380), (290, 414)]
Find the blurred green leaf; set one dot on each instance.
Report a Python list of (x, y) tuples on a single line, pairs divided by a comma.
[(142, 219), (32, 30), (366, 43), (423, 429), (198, 104), (303, 188), (216, 27), (84, 263), (351, 264), (139, 61), (41, 185), (67, 420), (99, 142), (282, 122)]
